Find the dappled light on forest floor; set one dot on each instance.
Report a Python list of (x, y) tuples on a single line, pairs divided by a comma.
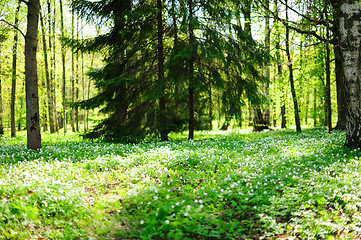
[(278, 184)]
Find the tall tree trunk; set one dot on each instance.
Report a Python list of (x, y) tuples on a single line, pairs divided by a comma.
[(328, 80), (77, 79), (14, 73), (84, 88), (63, 67), (47, 77), (191, 72), (31, 77), (290, 67), (1, 98), (267, 41), (350, 25), (161, 79), (52, 47), (72, 89), (339, 72), (83, 79)]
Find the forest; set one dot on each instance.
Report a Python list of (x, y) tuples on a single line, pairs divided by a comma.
[(188, 119)]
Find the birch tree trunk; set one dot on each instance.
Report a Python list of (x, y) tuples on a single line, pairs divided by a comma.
[(31, 76), (350, 31)]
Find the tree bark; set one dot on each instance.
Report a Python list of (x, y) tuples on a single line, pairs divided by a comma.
[(283, 114), (328, 85), (191, 72), (267, 41), (290, 67), (77, 80), (63, 67), (52, 47), (161, 79), (350, 29), (339, 72), (20, 111), (314, 107), (72, 89), (14, 73), (31, 77)]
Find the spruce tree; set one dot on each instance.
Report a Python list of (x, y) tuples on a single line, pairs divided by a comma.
[(195, 52)]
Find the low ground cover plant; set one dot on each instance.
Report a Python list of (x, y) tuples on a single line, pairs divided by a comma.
[(271, 185)]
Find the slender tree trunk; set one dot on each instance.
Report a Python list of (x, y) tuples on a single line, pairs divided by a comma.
[(72, 90), (283, 114), (267, 40), (84, 89), (52, 47), (306, 107), (14, 73), (350, 25), (328, 83), (83, 79), (290, 67), (77, 80), (31, 77), (162, 102), (63, 67), (47, 77), (20, 111), (191, 72), (88, 92)]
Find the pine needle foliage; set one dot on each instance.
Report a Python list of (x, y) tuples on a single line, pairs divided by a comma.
[(203, 50)]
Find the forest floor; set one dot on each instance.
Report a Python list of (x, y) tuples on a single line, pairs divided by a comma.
[(271, 185)]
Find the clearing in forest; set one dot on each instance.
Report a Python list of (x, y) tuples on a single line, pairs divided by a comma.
[(278, 184)]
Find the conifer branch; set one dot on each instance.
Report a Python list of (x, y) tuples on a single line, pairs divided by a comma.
[(286, 24)]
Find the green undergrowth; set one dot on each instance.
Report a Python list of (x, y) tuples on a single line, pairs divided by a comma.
[(271, 185)]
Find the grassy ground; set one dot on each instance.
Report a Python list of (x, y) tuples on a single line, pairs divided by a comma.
[(270, 185)]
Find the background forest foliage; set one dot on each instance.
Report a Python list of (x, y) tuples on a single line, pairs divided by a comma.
[(138, 70)]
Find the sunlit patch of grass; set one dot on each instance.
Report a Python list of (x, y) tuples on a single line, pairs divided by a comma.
[(276, 184)]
